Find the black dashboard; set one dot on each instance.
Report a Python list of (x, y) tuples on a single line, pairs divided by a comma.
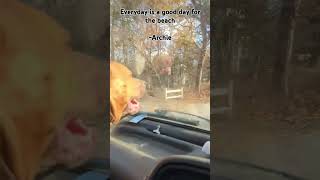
[(155, 149), (151, 147)]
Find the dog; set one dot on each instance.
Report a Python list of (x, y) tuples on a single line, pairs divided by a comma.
[(125, 92), (41, 80)]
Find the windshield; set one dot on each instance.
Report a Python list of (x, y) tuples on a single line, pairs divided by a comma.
[(176, 72)]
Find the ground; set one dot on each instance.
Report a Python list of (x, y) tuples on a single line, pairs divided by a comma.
[(270, 132), (190, 103)]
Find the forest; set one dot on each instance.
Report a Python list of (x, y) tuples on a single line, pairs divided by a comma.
[(270, 51), (179, 40)]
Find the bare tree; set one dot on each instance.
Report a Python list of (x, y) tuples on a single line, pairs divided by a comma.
[(287, 26), (204, 19)]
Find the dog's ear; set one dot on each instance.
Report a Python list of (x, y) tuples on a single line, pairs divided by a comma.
[(116, 110), (118, 100)]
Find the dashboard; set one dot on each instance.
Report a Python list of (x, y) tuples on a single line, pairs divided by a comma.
[(151, 147), (155, 149)]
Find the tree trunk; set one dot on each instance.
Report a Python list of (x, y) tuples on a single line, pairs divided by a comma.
[(285, 46), (202, 53), (199, 73), (111, 39), (290, 46), (219, 44)]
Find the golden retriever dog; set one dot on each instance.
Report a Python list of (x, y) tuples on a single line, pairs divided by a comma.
[(125, 91), (42, 80)]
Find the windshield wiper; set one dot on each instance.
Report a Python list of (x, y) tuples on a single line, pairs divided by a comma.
[(192, 122), (187, 121), (179, 112)]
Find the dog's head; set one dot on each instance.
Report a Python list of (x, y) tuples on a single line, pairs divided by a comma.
[(125, 91), (38, 84), (35, 76)]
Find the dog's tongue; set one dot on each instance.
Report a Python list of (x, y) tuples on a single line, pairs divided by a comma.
[(134, 102), (133, 106), (75, 127)]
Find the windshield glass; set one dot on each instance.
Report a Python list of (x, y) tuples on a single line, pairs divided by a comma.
[(176, 72)]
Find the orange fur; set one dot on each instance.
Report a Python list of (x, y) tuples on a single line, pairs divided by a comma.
[(39, 82), (123, 87)]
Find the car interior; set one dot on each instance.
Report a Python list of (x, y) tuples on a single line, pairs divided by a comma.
[(169, 145), (146, 146), (151, 147)]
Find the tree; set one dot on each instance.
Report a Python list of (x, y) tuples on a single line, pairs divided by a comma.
[(204, 19), (286, 29)]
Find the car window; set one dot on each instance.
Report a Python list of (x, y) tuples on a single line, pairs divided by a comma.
[(177, 71)]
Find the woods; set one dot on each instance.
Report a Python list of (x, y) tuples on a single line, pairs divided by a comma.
[(165, 54), (268, 49)]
